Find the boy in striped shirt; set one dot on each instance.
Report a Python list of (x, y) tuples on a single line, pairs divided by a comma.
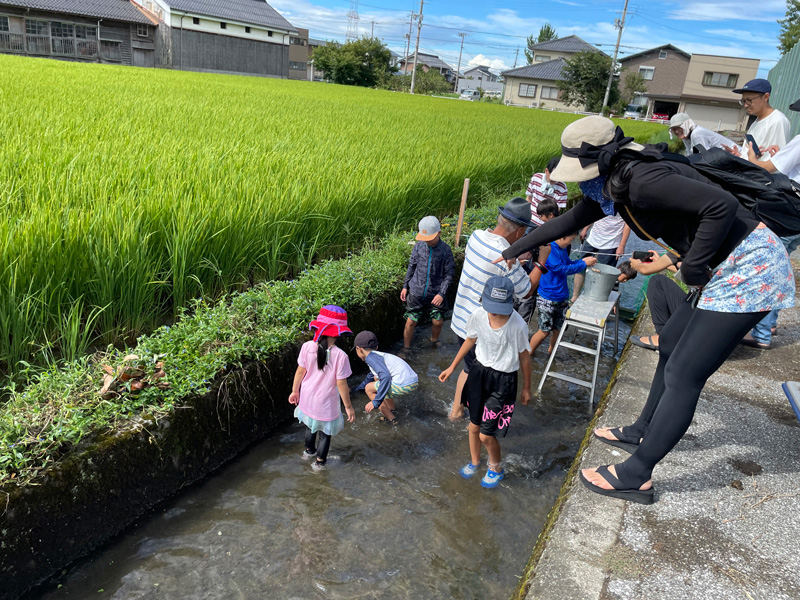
[(541, 187), (483, 249)]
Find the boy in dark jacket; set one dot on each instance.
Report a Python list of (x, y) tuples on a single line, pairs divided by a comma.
[(430, 273)]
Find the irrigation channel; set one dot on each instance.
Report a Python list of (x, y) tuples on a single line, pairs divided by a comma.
[(390, 518)]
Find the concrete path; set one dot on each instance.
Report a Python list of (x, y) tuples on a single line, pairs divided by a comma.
[(726, 522)]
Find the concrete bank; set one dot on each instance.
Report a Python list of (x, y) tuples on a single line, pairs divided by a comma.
[(725, 523)]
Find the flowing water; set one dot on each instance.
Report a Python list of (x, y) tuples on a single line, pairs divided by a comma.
[(390, 518)]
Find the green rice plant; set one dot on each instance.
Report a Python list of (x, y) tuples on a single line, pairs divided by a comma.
[(139, 190)]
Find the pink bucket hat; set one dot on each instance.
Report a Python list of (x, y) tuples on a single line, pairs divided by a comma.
[(332, 321)]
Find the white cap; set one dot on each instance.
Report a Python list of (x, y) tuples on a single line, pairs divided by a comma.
[(678, 119)]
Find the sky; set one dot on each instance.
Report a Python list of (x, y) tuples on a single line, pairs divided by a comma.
[(496, 29)]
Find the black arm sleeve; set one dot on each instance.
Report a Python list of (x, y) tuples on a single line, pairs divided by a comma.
[(579, 216), (659, 188)]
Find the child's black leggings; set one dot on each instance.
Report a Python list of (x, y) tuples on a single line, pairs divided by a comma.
[(693, 345), (322, 448)]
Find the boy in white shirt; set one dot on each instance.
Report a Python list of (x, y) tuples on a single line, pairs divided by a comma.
[(500, 338), (389, 378)]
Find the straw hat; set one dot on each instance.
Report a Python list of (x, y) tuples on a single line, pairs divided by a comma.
[(332, 321), (587, 146)]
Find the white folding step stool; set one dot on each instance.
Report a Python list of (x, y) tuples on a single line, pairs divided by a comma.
[(589, 316)]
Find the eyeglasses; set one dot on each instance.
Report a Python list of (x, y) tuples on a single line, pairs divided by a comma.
[(749, 101)]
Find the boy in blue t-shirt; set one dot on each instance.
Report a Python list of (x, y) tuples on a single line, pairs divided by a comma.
[(553, 299)]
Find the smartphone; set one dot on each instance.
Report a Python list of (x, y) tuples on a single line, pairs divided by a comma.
[(750, 140), (642, 256)]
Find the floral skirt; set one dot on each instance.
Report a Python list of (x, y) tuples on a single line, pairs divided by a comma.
[(756, 277), (329, 427)]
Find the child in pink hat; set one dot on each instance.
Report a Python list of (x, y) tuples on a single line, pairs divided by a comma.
[(319, 382)]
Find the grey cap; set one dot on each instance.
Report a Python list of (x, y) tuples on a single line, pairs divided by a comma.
[(498, 296), (366, 339), (429, 228)]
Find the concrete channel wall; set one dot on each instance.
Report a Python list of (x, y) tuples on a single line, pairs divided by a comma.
[(96, 493)]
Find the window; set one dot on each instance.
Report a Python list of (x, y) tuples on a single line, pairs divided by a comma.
[(195, 21), (35, 27), (549, 93), (647, 72), (111, 50), (85, 32), (541, 58), (297, 66), (62, 29), (726, 80), (4, 24), (662, 54), (527, 90), (296, 41), (223, 25), (269, 34), (247, 30), (142, 30)]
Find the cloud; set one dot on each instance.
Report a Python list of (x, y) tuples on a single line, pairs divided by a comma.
[(496, 64), (730, 10)]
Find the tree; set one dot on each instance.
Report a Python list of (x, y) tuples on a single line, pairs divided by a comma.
[(585, 79), (632, 84), (790, 27), (546, 34), (431, 82), (363, 62)]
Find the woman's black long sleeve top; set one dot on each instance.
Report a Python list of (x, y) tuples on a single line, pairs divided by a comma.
[(671, 201)]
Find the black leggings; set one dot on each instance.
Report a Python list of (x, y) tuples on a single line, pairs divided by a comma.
[(693, 345), (663, 297), (322, 449)]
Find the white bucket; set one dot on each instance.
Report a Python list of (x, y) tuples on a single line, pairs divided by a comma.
[(600, 280)]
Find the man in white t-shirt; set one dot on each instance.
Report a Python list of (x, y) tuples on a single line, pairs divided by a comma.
[(606, 241), (771, 127), (483, 248), (787, 161)]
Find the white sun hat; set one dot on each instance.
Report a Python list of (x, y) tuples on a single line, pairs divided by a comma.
[(587, 143)]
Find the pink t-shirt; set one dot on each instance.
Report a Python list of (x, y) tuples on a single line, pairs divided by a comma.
[(319, 397)]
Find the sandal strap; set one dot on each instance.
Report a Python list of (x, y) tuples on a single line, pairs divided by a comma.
[(610, 478), (623, 437)]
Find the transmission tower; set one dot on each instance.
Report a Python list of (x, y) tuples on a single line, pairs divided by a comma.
[(352, 21)]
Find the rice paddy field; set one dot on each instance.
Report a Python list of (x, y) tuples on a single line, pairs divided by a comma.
[(128, 192)]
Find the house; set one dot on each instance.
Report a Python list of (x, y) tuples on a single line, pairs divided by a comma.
[(428, 62), (708, 90), (700, 85), (664, 70), (103, 31), (480, 74), (299, 55), (565, 47), (535, 84), (231, 36)]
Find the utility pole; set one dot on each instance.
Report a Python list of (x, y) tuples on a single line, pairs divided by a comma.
[(408, 41), (619, 25), (458, 70), (516, 54), (372, 31), (416, 48)]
